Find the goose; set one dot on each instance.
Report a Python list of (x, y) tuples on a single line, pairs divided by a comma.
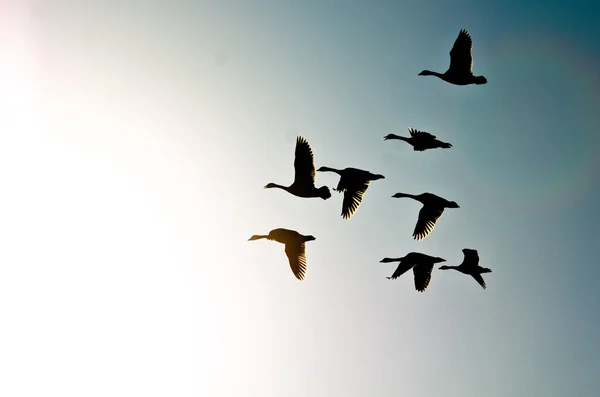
[(420, 140), (433, 207), (294, 248), (304, 178), (354, 183), (460, 71), (470, 266), (421, 264)]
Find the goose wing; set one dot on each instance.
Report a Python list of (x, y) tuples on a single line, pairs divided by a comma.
[(461, 60), (471, 257), (422, 273), (282, 235), (296, 254), (428, 216), (304, 163), (420, 134), (404, 266), (342, 184), (479, 279), (353, 195)]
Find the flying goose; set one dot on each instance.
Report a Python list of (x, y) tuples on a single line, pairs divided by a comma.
[(420, 140), (294, 248), (470, 266), (460, 71), (433, 207), (421, 264), (304, 177), (354, 183)]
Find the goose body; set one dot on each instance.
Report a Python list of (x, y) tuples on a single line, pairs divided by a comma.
[(460, 71), (295, 248), (421, 264), (420, 140), (353, 183), (433, 208), (304, 177), (470, 266)]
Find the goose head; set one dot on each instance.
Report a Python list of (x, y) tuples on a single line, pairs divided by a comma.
[(256, 237)]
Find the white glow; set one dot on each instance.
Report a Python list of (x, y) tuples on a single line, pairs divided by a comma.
[(104, 237)]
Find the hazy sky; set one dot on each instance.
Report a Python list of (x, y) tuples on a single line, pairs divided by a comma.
[(135, 144)]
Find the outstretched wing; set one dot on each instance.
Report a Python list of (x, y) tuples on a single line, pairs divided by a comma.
[(342, 185), (422, 273), (428, 216), (479, 279), (404, 266), (461, 60), (296, 254), (304, 163), (471, 257), (353, 196), (282, 235), (420, 134)]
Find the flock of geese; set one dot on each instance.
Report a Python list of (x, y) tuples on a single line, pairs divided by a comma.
[(354, 183)]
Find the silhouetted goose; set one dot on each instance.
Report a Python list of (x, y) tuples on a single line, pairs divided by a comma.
[(421, 264), (304, 177), (420, 140), (433, 208), (294, 248), (354, 183), (470, 266), (460, 71)]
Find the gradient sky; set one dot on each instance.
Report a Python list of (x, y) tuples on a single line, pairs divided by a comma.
[(135, 144)]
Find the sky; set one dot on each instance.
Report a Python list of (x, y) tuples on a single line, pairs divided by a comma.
[(135, 141)]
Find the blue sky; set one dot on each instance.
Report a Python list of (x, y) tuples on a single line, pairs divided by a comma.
[(135, 146)]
